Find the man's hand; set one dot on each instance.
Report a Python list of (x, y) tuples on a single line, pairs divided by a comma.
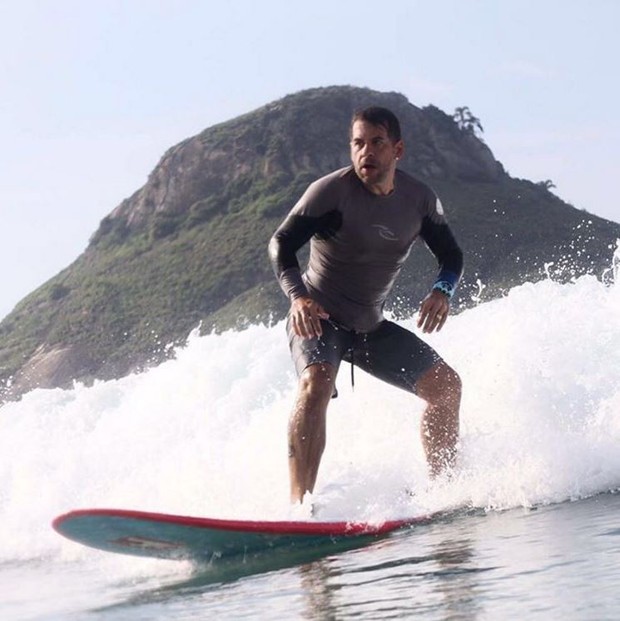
[(433, 311), (306, 315)]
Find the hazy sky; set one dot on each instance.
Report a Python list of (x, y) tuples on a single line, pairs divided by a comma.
[(93, 92)]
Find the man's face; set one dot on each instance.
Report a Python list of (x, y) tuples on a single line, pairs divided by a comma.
[(374, 156)]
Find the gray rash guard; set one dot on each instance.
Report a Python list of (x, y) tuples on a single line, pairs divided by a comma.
[(359, 242)]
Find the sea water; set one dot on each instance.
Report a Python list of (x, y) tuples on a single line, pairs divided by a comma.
[(532, 522)]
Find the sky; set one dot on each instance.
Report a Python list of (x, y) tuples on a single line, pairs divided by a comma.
[(92, 93)]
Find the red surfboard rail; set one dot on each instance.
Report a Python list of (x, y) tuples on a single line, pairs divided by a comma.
[(162, 535), (272, 527)]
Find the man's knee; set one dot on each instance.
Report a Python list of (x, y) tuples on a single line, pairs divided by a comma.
[(441, 383), (452, 380), (317, 381)]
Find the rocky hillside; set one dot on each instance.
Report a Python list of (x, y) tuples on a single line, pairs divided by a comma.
[(189, 248)]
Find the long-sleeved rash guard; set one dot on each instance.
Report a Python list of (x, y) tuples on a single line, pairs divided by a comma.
[(358, 244)]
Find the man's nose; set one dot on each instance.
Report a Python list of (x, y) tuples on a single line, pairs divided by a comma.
[(367, 149)]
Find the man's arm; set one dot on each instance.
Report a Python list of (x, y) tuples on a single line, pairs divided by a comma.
[(290, 236), (441, 242)]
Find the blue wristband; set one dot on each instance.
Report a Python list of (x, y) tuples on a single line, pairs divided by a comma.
[(445, 287)]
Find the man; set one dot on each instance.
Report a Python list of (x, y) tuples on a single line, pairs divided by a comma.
[(361, 222)]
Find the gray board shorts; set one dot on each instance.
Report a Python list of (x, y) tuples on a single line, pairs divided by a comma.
[(389, 352)]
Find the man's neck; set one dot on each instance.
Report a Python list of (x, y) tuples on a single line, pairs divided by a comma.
[(381, 188)]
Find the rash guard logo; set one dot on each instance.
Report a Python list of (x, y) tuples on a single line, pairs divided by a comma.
[(439, 207), (385, 232)]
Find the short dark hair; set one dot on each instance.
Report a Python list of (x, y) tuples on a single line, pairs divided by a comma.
[(375, 115)]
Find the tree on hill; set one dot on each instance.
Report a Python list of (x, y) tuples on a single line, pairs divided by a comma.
[(466, 121), (547, 184)]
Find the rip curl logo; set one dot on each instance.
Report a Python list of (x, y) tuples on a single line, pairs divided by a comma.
[(385, 232)]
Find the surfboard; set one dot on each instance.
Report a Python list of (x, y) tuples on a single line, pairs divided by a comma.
[(204, 539)]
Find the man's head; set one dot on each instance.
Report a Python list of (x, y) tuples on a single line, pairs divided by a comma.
[(375, 115), (376, 146)]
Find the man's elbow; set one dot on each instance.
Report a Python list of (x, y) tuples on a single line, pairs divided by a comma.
[(458, 260), (274, 250)]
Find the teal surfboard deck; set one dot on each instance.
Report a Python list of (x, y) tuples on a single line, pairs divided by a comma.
[(204, 539)]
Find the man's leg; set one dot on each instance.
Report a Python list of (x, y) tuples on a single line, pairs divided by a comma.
[(440, 387), (401, 358), (306, 431)]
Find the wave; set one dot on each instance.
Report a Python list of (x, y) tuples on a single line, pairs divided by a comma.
[(205, 433)]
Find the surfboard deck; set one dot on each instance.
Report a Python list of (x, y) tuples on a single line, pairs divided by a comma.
[(201, 539)]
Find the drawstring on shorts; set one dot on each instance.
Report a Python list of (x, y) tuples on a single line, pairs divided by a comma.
[(351, 349), (354, 336), (352, 367)]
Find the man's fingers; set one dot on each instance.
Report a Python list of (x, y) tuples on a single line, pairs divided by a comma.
[(314, 324), (431, 322), (442, 320), (432, 318), (300, 325), (439, 320), (306, 323), (306, 315)]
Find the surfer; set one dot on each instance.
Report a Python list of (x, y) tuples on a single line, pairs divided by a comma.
[(361, 222)]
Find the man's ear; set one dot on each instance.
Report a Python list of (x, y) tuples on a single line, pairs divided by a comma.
[(399, 149)]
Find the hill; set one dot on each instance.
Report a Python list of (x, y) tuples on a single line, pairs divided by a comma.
[(189, 247)]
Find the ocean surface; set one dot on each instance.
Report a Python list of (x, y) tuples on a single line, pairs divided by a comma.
[(531, 522)]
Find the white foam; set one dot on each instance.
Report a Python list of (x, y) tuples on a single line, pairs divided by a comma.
[(205, 434)]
